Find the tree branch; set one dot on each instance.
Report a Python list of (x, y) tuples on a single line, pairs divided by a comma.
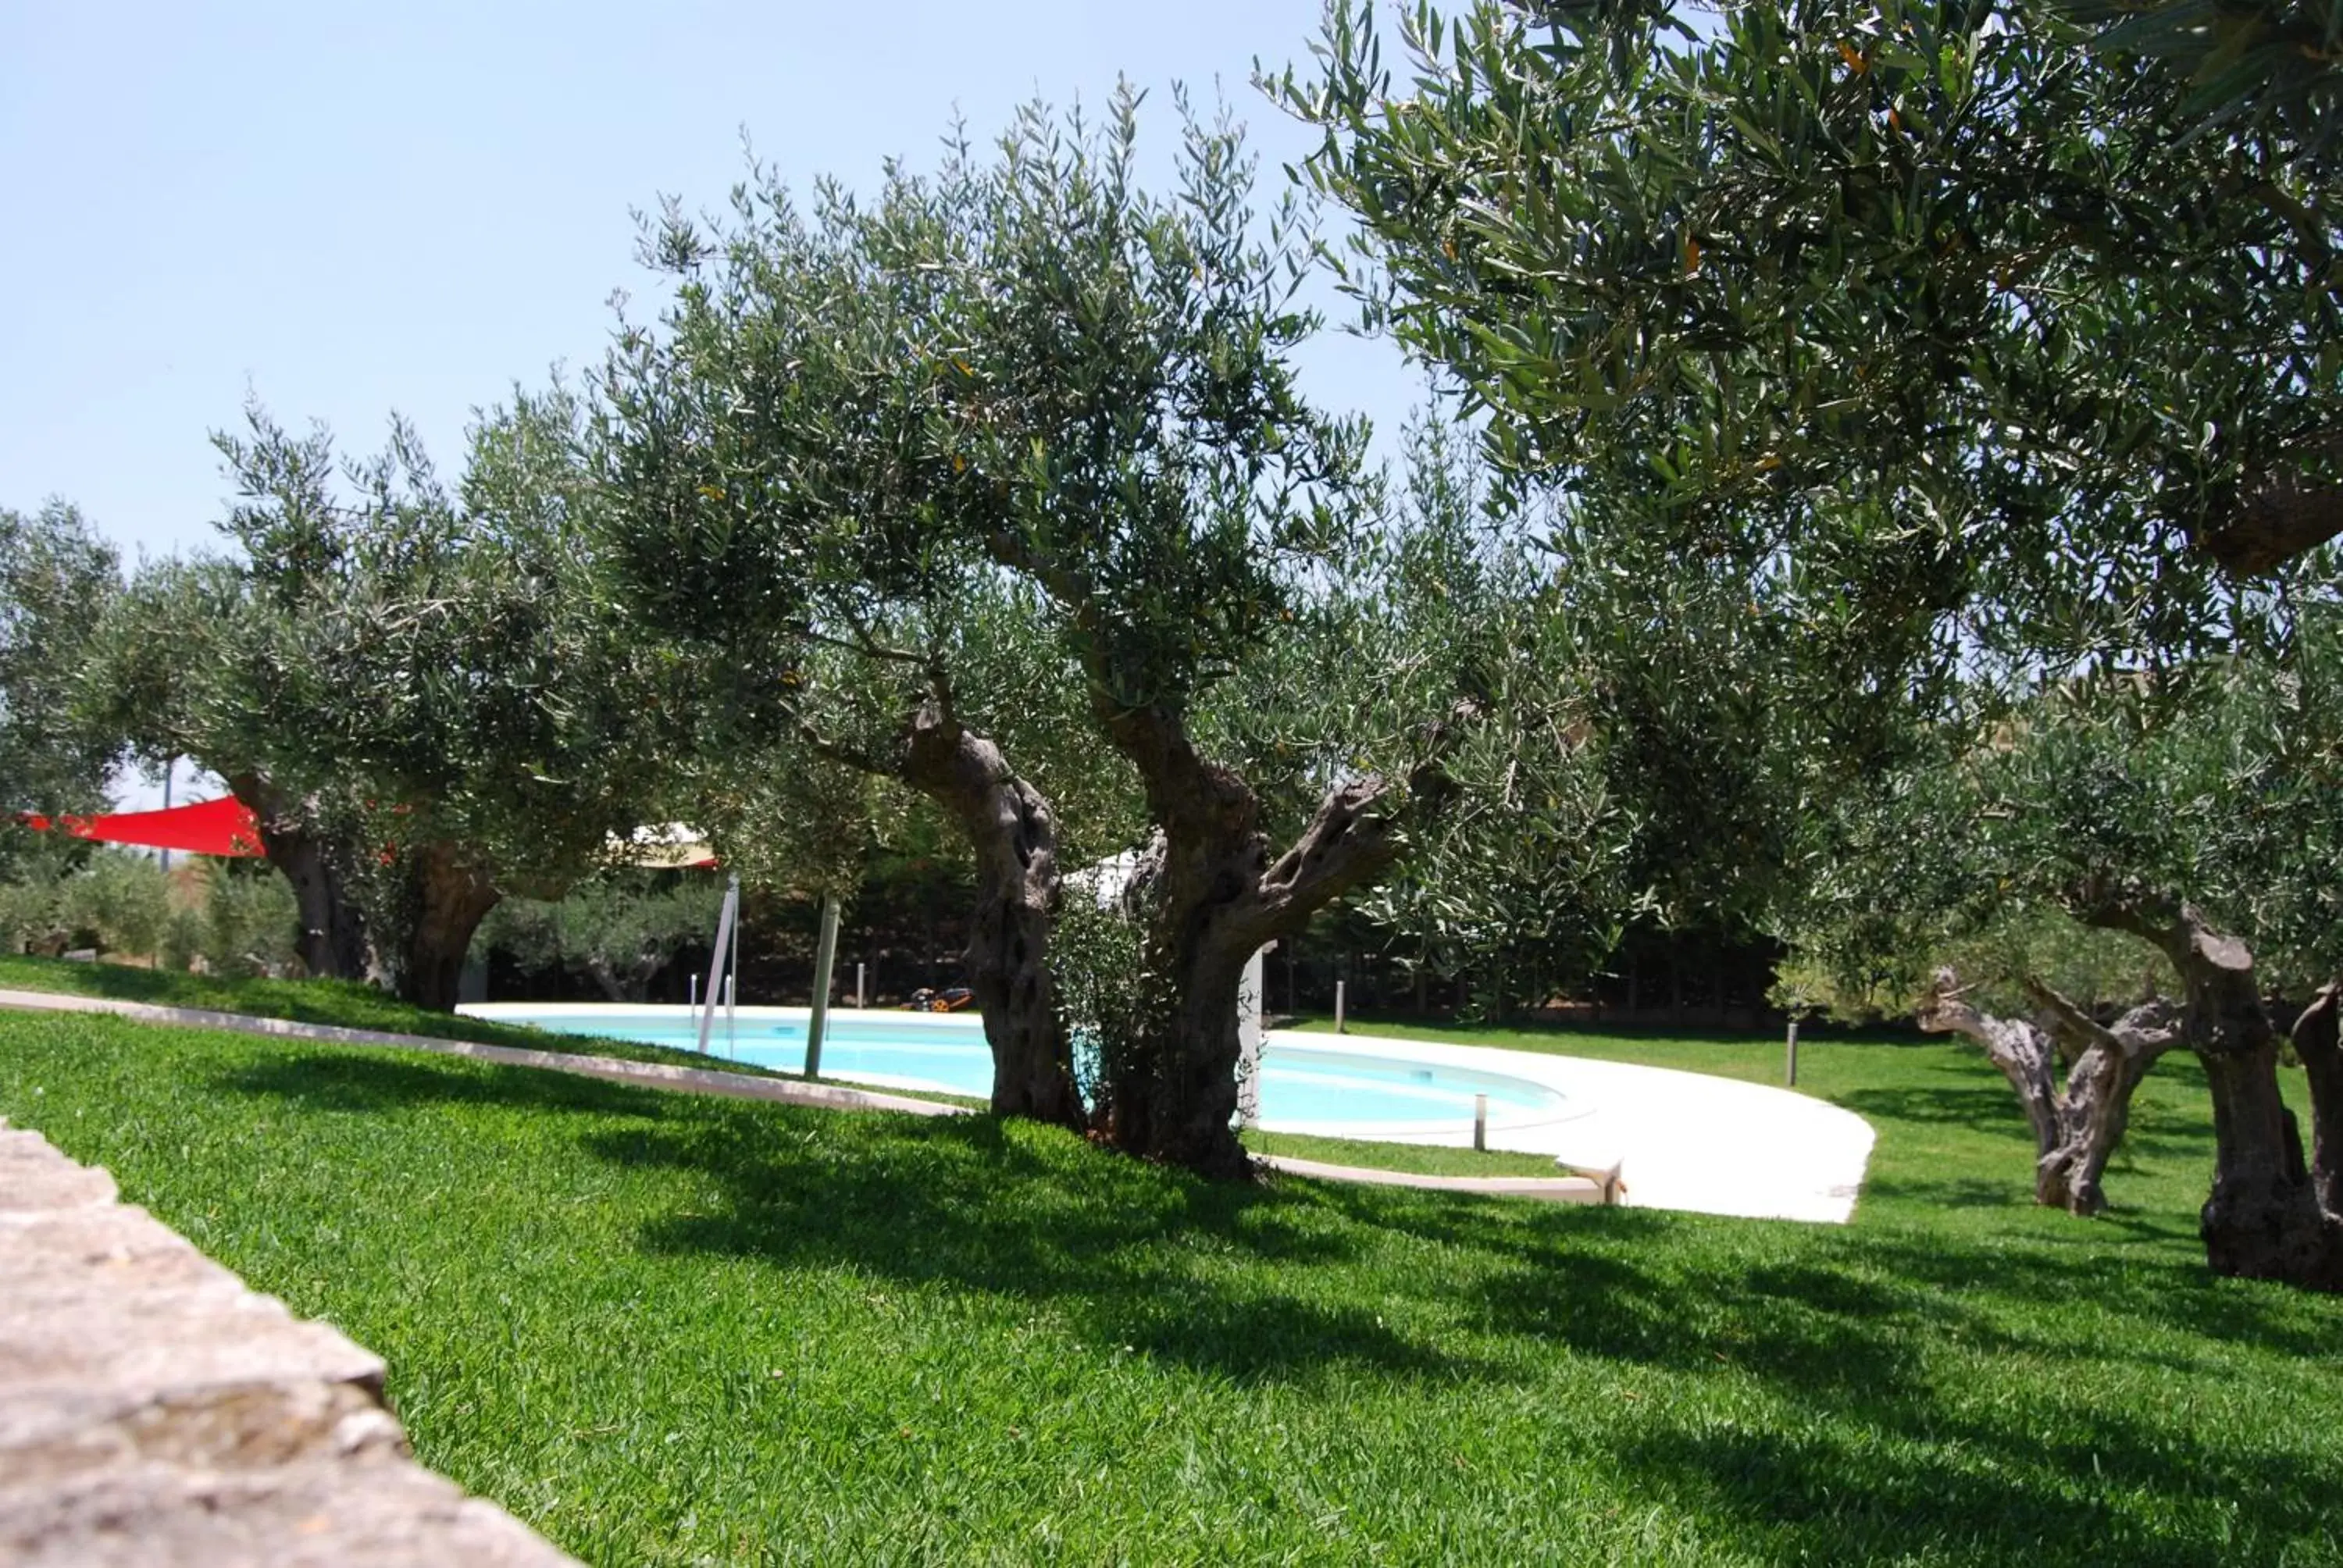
[(2014, 1045), (2200, 951), (1347, 844), (2142, 1034), (2319, 1043), (2151, 1028), (863, 643), (1942, 1011), (2076, 1031), (845, 755), (2283, 514)]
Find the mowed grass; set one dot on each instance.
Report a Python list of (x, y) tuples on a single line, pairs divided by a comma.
[(668, 1329), (342, 1004)]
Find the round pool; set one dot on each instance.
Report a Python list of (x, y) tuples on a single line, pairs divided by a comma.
[(1304, 1088)]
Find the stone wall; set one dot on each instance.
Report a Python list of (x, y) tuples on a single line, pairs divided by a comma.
[(155, 1410)]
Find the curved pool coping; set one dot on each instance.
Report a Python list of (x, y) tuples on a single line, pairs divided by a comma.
[(1679, 1140), (1684, 1140)]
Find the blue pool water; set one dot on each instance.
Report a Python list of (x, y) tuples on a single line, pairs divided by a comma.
[(1301, 1086)]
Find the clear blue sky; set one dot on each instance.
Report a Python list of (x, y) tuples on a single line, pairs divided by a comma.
[(351, 209)]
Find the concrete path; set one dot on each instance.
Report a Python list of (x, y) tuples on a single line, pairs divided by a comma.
[(1682, 1140), (156, 1411), (643, 1074)]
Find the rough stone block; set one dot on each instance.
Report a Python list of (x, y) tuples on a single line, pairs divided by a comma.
[(155, 1410)]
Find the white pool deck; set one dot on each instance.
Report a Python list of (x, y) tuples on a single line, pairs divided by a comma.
[(1684, 1141)]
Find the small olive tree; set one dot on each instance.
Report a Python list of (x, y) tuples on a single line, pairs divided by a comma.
[(187, 666), (57, 580), (409, 684)]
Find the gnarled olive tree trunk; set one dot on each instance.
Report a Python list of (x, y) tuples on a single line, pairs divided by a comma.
[(332, 941), (2317, 1043), (2264, 1219), (2076, 1129), (1209, 894), (450, 896), (1014, 834), (2020, 1051)]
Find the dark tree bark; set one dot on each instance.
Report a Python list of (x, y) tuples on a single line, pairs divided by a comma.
[(2024, 1054), (1014, 833), (2284, 514), (2076, 1129), (1209, 895), (451, 898), (332, 941), (634, 985), (2107, 1064), (2264, 1219), (2317, 1043), (606, 979)]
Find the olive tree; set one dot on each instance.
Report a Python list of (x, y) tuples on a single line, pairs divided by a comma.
[(1962, 322), (458, 667), (1020, 421), (408, 683), (56, 579), (188, 666)]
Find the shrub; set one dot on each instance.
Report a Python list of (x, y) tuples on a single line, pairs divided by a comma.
[(120, 902), (248, 923)]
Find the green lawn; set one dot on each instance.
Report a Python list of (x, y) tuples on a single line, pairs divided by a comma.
[(671, 1329), (1758, 1059), (344, 1004)]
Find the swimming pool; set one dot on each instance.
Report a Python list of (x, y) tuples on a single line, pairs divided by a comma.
[(1304, 1088)]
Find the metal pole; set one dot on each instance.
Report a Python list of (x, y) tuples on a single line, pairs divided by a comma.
[(733, 996), (695, 993), (1481, 1122), (1338, 1000), (862, 974), (825, 954), (715, 963), (1789, 1072)]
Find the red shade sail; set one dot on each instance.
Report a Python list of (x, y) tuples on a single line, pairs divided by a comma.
[(222, 827)]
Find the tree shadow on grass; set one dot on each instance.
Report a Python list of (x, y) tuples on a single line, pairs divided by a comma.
[(2140, 1283), (347, 1079), (1962, 1192), (1935, 1402), (1823, 1332), (1949, 1489), (1983, 1107), (1878, 1398), (1135, 1254)]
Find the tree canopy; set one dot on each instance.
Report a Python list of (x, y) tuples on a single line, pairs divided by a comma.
[(1995, 351), (1007, 463), (1935, 308), (56, 579), (412, 686)]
